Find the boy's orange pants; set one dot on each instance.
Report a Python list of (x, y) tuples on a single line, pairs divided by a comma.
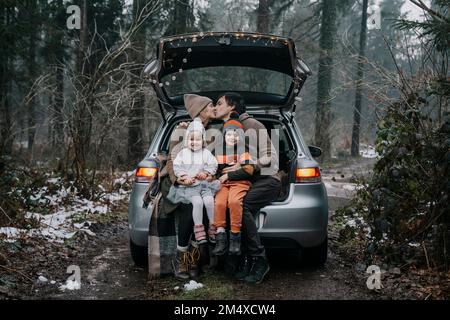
[(230, 196)]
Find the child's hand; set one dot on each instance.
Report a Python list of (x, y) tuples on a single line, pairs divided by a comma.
[(202, 175), (185, 181), (235, 167), (223, 178)]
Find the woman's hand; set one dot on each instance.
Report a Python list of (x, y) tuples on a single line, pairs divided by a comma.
[(223, 178), (182, 125), (202, 175)]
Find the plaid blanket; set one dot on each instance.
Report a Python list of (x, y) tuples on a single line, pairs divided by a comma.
[(162, 238)]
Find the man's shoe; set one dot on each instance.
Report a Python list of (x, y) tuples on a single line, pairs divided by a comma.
[(259, 270), (221, 244), (235, 243), (181, 265), (244, 268)]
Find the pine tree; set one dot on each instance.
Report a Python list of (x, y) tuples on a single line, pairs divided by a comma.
[(359, 78), (323, 112)]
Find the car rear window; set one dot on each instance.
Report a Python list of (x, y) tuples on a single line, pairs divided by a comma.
[(227, 78)]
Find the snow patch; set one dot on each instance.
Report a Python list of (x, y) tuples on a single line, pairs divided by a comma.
[(66, 205), (414, 244), (70, 285), (193, 285), (367, 151)]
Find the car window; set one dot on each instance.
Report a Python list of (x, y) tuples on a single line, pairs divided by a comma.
[(227, 78), (285, 143)]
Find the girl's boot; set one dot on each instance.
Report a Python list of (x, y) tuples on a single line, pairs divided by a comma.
[(200, 234)]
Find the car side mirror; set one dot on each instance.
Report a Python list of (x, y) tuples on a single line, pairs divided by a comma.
[(315, 151)]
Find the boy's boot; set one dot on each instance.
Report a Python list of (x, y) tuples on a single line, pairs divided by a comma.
[(221, 244), (235, 243)]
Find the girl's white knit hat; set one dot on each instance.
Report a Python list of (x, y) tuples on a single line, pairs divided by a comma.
[(195, 125)]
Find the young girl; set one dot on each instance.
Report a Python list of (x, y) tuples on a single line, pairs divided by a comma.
[(194, 164), (235, 185)]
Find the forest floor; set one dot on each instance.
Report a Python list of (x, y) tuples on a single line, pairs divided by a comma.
[(37, 269)]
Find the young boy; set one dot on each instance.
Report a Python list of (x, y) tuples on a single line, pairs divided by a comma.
[(235, 185)]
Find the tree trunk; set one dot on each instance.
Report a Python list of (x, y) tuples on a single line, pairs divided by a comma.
[(323, 112), (359, 78), (182, 17), (136, 113), (5, 63), (59, 107), (262, 23), (57, 61), (31, 61), (82, 114)]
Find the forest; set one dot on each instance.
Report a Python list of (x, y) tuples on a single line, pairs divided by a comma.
[(77, 115)]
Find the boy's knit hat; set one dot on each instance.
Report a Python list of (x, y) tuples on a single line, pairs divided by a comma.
[(195, 104), (195, 125), (233, 123)]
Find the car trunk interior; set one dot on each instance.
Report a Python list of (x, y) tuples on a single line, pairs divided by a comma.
[(287, 149), (287, 155)]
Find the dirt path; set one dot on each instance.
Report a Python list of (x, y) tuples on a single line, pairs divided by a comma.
[(111, 274), (107, 271)]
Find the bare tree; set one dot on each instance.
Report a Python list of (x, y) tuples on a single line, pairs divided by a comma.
[(136, 113), (102, 94)]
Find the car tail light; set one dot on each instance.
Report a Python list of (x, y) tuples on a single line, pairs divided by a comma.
[(146, 174), (307, 175)]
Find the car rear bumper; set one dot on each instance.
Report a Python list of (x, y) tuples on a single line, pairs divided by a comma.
[(299, 221)]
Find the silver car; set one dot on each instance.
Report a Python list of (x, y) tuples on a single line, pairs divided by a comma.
[(266, 71)]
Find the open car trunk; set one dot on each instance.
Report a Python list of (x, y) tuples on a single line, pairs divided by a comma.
[(264, 69)]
